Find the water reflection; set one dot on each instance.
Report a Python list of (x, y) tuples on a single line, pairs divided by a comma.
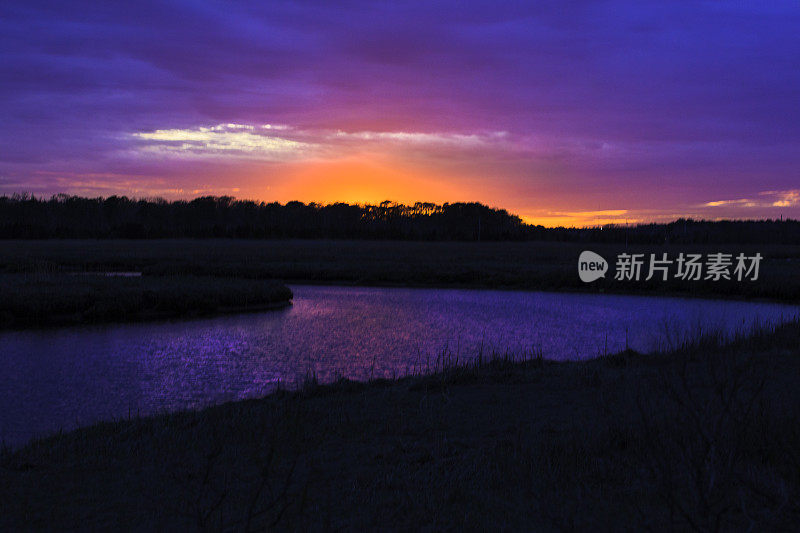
[(61, 378)]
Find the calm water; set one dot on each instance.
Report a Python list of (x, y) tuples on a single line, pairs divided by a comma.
[(60, 378)]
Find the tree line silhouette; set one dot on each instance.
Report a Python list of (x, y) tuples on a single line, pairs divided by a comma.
[(23, 216)]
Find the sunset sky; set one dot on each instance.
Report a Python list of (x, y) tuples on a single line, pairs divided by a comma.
[(574, 113)]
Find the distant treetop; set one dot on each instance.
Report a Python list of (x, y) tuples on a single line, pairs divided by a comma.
[(23, 216)]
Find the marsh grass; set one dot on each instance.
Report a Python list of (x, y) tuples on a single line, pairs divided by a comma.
[(47, 298), (518, 265), (702, 438)]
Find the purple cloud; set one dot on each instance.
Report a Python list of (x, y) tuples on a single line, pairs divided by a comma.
[(628, 106)]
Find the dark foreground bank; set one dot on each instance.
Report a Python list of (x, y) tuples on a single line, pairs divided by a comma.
[(703, 438), (47, 299)]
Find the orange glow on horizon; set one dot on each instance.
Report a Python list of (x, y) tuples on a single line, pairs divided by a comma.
[(359, 181), (370, 179), (583, 218), (577, 221)]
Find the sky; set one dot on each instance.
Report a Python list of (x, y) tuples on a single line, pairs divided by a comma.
[(565, 113)]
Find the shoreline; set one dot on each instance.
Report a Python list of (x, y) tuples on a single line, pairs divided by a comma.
[(445, 370), (688, 295), (518, 441), (74, 320), (59, 300), (69, 322), (547, 266)]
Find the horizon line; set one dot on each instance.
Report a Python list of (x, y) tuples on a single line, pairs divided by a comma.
[(22, 196)]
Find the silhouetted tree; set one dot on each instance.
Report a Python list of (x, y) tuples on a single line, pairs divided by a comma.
[(23, 216)]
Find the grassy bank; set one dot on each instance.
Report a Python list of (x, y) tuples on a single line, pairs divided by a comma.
[(518, 265), (45, 299), (703, 438)]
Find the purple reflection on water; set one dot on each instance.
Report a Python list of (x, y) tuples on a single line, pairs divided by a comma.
[(60, 378)]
